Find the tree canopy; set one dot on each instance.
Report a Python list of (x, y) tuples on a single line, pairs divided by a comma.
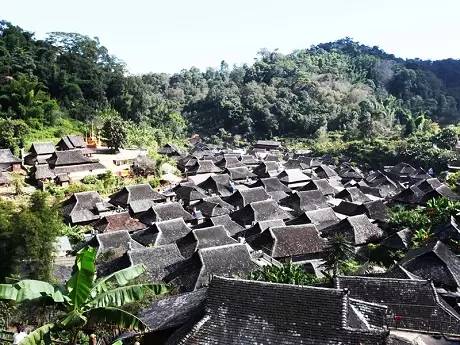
[(340, 85)]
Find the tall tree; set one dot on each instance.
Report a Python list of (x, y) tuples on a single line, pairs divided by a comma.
[(115, 132)]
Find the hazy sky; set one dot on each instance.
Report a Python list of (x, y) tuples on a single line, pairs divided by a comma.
[(169, 35)]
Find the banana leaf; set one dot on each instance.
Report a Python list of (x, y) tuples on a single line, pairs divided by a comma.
[(39, 336), (73, 319), (115, 317), (8, 291), (121, 277), (81, 283), (29, 289), (126, 294)]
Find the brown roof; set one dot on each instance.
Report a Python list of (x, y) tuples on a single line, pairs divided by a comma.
[(118, 221)]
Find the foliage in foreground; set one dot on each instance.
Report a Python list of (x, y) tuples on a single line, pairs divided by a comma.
[(87, 301), (27, 236)]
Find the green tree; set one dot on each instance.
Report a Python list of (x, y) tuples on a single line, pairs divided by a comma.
[(446, 138), (87, 301), (338, 253), (28, 234), (114, 132), (37, 227), (13, 134)]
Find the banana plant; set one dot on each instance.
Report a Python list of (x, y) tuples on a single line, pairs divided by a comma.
[(86, 299)]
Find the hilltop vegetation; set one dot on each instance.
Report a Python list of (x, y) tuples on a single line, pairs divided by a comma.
[(68, 79)]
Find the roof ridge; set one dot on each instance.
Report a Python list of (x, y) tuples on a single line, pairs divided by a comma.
[(383, 278), (338, 292)]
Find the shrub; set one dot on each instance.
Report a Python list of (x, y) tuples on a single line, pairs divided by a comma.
[(286, 274)]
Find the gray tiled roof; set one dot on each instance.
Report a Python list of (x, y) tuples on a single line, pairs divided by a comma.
[(325, 171), (267, 169), (305, 201), (204, 238), (373, 209), (321, 218), (204, 167), (271, 184), (174, 311), (290, 241), (81, 207), (218, 184), (116, 240), (211, 209), (414, 302), (352, 194), (232, 260), (165, 211), (239, 173), (70, 157), (259, 211), (7, 157), (244, 197), (42, 148), (225, 220), (434, 261), (70, 142), (250, 312), (139, 198), (358, 228), (156, 260), (289, 176), (322, 185), (163, 232)]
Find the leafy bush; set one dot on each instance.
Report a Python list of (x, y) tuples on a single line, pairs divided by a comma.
[(421, 237), (286, 274), (413, 219)]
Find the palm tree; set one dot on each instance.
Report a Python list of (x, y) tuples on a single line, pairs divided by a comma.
[(338, 252), (86, 299)]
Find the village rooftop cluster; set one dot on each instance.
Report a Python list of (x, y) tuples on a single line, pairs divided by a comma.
[(235, 211)]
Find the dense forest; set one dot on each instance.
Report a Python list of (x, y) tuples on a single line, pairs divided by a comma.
[(61, 83)]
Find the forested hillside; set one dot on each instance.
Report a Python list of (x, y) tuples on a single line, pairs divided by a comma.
[(59, 84)]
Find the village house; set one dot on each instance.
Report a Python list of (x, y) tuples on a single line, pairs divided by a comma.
[(303, 201), (267, 145), (358, 229), (137, 198), (291, 242), (259, 211), (156, 260), (412, 304), (162, 232), (9, 162), (283, 314), (204, 238), (81, 208), (74, 164), (71, 142), (170, 150), (228, 260), (243, 197), (165, 211), (39, 153)]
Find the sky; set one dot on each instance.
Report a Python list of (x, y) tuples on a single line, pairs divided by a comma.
[(170, 35)]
